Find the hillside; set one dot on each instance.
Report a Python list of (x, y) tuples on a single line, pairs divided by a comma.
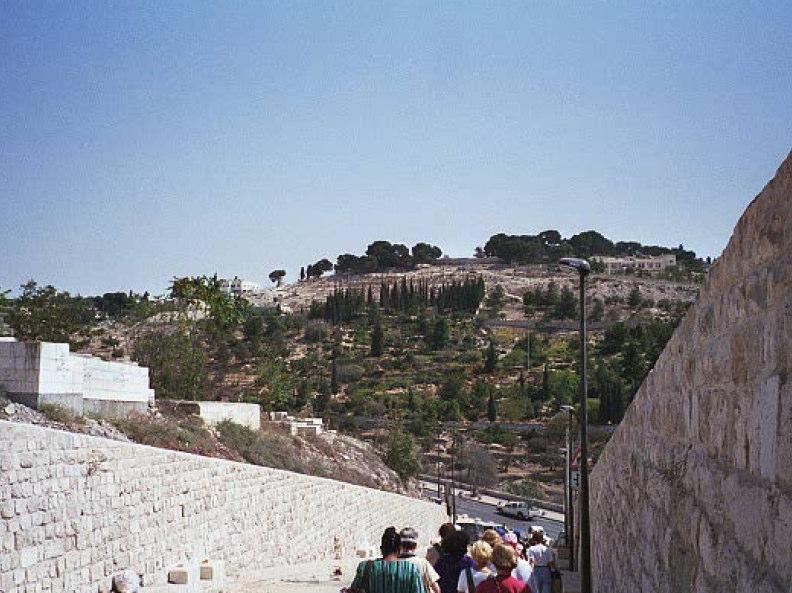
[(454, 342)]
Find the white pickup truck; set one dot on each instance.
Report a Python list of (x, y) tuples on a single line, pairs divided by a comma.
[(519, 510)]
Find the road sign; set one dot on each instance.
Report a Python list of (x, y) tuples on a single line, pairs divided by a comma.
[(574, 478)]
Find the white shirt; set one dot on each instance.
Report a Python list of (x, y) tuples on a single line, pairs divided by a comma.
[(524, 572), (541, 555), (478, 576)]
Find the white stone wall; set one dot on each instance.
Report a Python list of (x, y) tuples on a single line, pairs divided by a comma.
[(245, 414), (75, 509), (49, 368)]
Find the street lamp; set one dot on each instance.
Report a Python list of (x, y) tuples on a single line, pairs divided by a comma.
[(583, 269)]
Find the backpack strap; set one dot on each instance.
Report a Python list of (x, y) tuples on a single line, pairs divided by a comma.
[(471, 586)]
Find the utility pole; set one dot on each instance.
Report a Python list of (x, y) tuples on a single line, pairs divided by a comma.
[(453, 482), (584, 269), (569, 515)]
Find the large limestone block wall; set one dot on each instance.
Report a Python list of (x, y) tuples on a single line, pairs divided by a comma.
[(694, 491), (45, 372), (75, 509)]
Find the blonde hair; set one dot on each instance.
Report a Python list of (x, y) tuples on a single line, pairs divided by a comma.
[(491, 537), (481, 552), (503, 557)]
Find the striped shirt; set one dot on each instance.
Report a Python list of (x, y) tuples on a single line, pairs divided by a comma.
[(388, 576)]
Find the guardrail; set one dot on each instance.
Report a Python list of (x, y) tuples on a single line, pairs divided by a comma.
[(544, 504)]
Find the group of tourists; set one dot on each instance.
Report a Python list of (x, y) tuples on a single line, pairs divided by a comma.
[(492, 564)]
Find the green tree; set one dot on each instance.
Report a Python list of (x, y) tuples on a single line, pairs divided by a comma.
[(440, 334), (597, 311), (277, 276), (491, 358), (611, 396), (633, 366), (492, 410), (634, 299), (567, 305), (177, 363), (496, 299), (319, 268), (42, 313), (423, 253), (377, 338), (334, 387), (402, 454), (302, 273)]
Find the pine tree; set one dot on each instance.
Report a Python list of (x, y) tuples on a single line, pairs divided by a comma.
[(302, 273)]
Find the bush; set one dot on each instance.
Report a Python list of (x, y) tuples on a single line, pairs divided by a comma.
[(260, 448), (316, 331), (60, 414), (177, 362), (350, 373)]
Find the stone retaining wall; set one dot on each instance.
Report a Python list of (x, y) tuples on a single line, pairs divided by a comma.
[(76, 509), (694, 491)]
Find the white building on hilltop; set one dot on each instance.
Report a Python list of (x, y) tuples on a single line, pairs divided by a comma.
[(237, 286), (647, 263)]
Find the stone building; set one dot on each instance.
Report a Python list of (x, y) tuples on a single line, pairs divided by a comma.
[(646, 263)]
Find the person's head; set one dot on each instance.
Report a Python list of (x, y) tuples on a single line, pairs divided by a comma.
[(445, 530), (481, 552), (503, 558), (409, 539), (537, 535), (391, 543), (492, 537), (456, 544)]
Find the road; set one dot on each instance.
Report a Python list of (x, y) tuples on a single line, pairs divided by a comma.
[(486, 512)]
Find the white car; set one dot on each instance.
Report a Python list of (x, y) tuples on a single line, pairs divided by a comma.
[(520, 510)]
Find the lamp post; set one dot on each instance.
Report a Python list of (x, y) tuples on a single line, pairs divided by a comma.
[(583, 269)]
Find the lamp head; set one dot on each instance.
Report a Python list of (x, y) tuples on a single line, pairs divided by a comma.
[(566, 408), (581, 265)]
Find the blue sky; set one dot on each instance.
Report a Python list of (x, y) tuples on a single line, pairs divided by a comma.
[(144, 140)]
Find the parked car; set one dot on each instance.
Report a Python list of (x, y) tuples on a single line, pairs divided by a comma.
[(519, 510)]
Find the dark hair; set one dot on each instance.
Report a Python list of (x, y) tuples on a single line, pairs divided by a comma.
[(456, 544), (391, 542), (446, 529)]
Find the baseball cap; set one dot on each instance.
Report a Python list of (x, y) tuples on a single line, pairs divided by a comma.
[(408, 535)]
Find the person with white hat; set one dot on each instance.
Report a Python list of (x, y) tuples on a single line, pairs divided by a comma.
[(409, 543), (542, 560)]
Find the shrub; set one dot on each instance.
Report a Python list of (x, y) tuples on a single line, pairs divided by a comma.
[(58, 413), (261, 448), (316, 331), (349, 373)]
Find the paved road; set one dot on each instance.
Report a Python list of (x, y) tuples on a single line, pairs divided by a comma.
[(486, 512)]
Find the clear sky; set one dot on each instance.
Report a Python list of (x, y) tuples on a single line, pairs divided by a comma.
[(143, 140)]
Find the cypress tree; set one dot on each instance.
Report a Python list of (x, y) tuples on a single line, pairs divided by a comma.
[(546, 383), (376, 338), (492, 411), (334, 377), (302, 273), (491, 358)]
